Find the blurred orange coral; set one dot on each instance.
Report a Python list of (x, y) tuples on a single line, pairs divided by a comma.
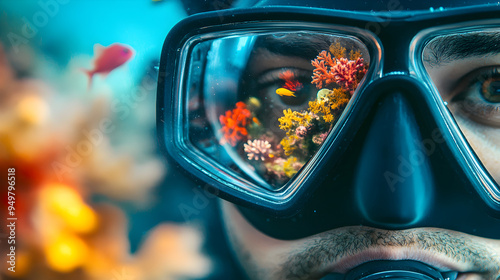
[(66, 148)]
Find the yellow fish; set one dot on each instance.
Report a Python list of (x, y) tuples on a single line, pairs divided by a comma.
[(285, 92)]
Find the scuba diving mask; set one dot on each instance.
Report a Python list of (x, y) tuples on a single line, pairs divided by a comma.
[(312, 119)]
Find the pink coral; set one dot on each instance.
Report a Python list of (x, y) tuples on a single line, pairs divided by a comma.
[(258, 149), (234, 123), (301, 131), (342, 71), (320, 138), (346, 73)]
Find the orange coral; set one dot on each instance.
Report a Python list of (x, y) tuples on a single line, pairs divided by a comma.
[(322, 73), (234, 123)]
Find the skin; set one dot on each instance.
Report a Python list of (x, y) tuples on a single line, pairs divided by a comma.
[(339, 250), (482, 135), (263, 257)]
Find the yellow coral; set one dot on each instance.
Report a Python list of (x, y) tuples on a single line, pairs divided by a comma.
[(337, 93), (301, 118), (290, 167), (293, 119), (338, 98), (328, 107), (337, 50), (285, 122), (306, 119), (328, 118), (314, 106), (354, 55), (325, 108), (288, 144), (327, 114)]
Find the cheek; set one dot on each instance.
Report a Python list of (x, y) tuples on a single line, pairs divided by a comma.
[(486, 143), (260, 255)]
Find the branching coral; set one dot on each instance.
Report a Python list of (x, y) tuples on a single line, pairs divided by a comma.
[(354, 55), (330, 104), (336, 74), (338, 70), (338, 99), (337, 50), (322, 73), (293, 119), (234, 123), (288, 144), (336, 77), (258, 149), (322, 109), (346, 73)]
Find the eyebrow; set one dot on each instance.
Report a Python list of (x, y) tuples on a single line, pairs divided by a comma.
[(307, 46), (453, 47)]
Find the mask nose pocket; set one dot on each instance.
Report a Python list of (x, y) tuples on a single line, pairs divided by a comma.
[(393, 182)]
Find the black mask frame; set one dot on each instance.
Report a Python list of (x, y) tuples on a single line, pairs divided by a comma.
[(462, 196)]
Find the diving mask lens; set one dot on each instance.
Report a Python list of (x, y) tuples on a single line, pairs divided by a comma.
[(262, 105), (465, 68)]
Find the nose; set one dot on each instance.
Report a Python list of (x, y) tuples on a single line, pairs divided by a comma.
[(393, 181)]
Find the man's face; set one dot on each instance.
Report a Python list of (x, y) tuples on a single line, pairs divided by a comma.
[(459, 75), (340, 250)]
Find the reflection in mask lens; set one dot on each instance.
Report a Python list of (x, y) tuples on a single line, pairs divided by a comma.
[(465, 67), (262, 105)]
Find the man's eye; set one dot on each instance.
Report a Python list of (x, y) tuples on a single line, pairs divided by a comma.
[(287, 88), (490, 89), (479, 99)]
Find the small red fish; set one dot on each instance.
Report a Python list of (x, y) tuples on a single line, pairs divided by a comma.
[(291, 84), (108, 58)]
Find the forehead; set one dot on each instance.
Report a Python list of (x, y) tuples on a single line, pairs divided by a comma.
[(306, 44)]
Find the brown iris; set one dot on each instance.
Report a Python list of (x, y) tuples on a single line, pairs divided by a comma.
[(491, 90)]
